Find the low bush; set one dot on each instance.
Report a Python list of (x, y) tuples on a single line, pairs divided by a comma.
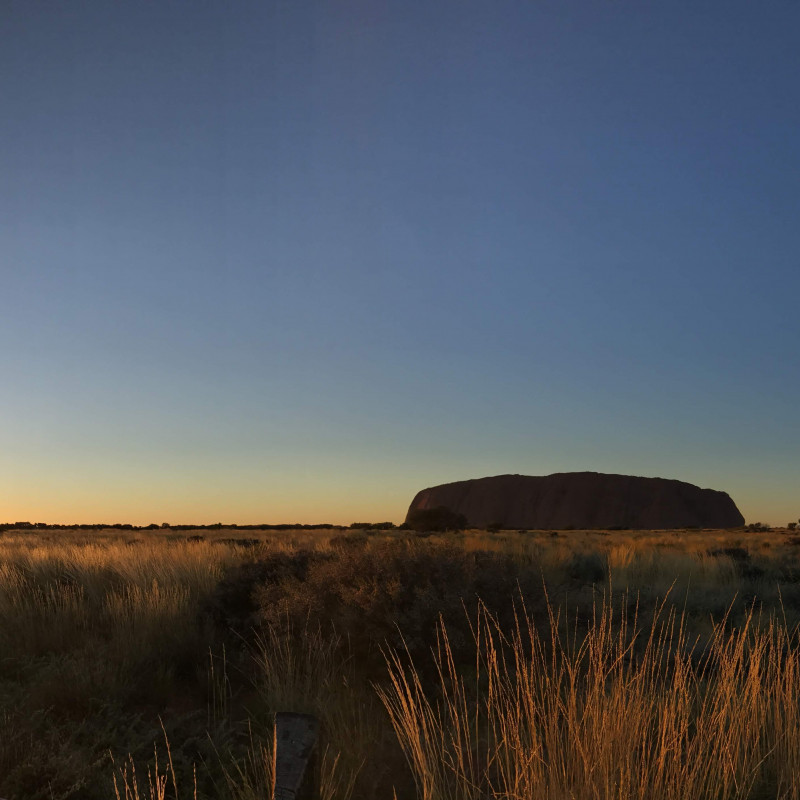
[(494, 527), (440, 518), (587, 568), (393, 592), (233, 604)]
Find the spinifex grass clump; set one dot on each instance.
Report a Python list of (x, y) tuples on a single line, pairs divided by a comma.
[(609, 711)]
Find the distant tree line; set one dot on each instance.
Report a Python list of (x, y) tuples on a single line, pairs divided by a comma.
[(427, 519), (372, 526), (97, 526), (419, 520)]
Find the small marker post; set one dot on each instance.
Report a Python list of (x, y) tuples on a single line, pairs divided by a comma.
[(294, 755)]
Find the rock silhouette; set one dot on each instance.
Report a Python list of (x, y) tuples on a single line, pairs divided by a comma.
[(582, 500)]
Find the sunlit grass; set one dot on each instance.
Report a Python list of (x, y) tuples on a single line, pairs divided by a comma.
[(610, 711)]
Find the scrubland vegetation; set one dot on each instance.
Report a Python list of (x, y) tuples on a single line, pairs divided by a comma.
[(451, 666)]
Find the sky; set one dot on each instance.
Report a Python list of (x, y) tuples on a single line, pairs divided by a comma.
[(295, 261)]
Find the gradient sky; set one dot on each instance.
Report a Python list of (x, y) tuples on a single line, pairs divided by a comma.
[(293, 261)]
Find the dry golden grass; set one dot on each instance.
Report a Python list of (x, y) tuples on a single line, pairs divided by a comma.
[(612, 712), (656, 694)]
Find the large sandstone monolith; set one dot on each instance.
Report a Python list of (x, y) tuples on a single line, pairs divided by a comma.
[(583, 500)]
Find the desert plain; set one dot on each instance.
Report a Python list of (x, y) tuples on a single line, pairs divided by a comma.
[(149, 663)]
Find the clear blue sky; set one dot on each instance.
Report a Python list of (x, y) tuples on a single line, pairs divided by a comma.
[(291, 261)]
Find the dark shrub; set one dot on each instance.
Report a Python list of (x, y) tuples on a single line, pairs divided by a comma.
[(233, 604), (494, 527), (238, 542), (738, 554), (741, 559), (440, 518), (395, 593), (587, 568)]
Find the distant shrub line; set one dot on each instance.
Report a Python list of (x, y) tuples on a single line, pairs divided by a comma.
[(98, 526), (437, 519)]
